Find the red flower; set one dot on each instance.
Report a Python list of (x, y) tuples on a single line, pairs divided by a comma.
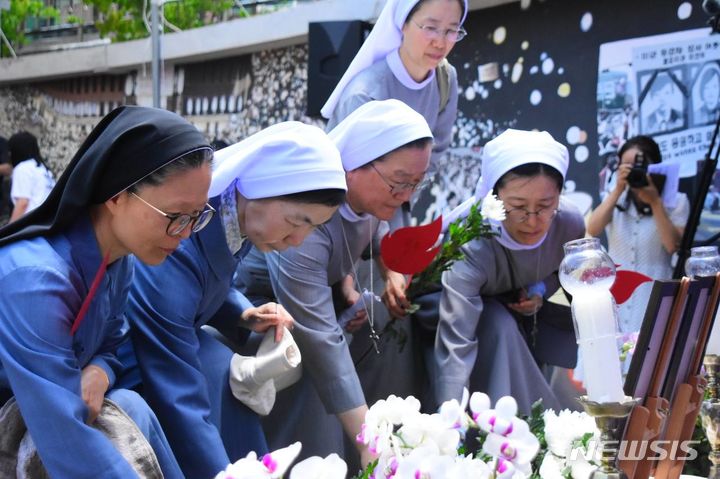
[(411, 249)]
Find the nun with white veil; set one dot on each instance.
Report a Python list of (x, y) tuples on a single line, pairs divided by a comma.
[(271, 191), (497, 331), (385, 148), (404, 57)]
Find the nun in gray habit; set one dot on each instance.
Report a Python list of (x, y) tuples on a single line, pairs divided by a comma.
[(385, 149), (497, 329)]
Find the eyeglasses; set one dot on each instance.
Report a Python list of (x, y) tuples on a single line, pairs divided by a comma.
[(180, 221), (434, 33), (521, 215), (397, 188)]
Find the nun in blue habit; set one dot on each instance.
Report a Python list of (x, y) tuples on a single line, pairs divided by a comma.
[(65, 272), (271, 190)]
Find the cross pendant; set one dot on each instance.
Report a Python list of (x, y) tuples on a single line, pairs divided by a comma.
[(374, 338)]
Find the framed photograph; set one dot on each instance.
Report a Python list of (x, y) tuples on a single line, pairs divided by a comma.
[(706, 95), (688, 334), (663, 101), (652, 337)]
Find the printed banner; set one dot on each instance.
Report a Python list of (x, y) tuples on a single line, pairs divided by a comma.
[(666, 87)]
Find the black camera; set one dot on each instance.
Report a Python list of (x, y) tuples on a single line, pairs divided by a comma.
[(637, 178)]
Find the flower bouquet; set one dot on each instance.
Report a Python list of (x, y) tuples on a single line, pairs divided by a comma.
[(419, 251), (414, 250), (409, 444), (462, 440)]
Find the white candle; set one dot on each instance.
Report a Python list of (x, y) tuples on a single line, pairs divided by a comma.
[(594, 314)]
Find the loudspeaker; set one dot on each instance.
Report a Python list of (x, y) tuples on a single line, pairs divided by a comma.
[(331, 48)]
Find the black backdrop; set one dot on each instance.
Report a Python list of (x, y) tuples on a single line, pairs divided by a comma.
[(552, 27)]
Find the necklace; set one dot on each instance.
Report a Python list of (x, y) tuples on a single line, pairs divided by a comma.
[(517, 286), (374, 337)]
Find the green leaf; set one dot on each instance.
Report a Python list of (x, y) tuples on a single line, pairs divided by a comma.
[(365, 474)]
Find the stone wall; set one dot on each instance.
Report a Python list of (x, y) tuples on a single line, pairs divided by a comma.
[(276, 93)]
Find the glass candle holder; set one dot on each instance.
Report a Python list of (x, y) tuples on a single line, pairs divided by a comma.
[(703, 261), (587, 273)]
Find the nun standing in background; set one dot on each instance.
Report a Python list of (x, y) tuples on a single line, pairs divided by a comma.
[(65, 272), (271, 191), (496, 325), (385, 148), (404, 58)]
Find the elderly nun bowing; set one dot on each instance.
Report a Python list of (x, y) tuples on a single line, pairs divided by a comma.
[(495, 323), (404, 58), (271, 191), (64, 278), (385, 148)]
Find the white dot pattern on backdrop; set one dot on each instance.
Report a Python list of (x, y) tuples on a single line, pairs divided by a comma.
[(499, 35), (573, 135), (581, 153), (535, 97), (586, 22), (684, 10)]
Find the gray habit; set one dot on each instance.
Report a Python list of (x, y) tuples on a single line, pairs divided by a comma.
[(479, 342), (302, 280), (378, 82)]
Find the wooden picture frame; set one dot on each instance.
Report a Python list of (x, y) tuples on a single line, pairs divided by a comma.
[(651, 337), (699, 295)]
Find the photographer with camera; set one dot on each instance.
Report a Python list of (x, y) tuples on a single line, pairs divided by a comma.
[(643, 230)]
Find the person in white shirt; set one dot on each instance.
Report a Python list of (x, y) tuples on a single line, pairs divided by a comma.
[(32, 180)]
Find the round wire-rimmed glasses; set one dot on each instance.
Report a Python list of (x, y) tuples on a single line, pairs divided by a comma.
[(179, 221)]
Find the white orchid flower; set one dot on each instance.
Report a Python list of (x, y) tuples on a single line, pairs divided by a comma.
[(505, 470), (519, 447), (453, 413), (492, 208), (479, 403), (331, 467), (501, 419), (272, 465), (246, 468), (430, 429), (425, 463), (381, 419)]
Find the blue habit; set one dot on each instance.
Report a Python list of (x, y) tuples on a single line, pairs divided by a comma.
[(184, 371), (43, 282)]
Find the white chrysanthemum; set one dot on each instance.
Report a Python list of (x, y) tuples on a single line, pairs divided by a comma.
[(580, 468), (467, 466), (552, 467), (492, 208), (564, 428)]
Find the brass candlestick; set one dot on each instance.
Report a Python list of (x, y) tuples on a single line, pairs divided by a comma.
[(710, 413), (610, 419)]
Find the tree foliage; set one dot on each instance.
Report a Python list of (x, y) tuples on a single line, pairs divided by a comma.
[(13, 21), (119, 20), (125, 19)]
